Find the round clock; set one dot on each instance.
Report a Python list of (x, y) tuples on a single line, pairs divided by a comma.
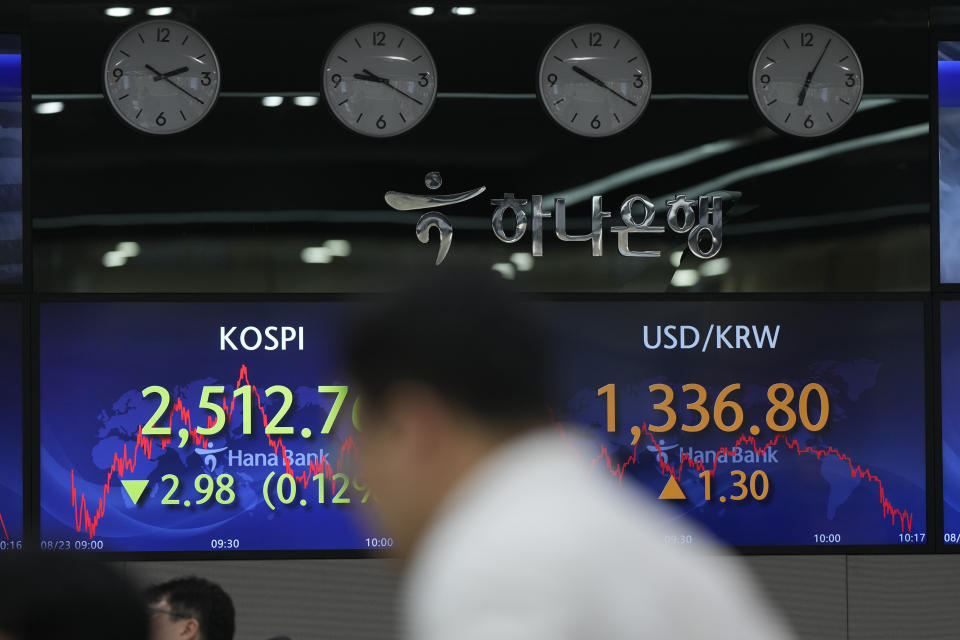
[(594, 80), (161, 76), (380, 80), (806, 80)]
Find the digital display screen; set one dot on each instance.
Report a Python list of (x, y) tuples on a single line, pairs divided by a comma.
[(197, 427), (11, 426), (11, 161), (788, 423), (950, 421), (768, 423)]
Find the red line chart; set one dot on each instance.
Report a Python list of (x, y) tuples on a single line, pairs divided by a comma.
[(686, 462), (125, 462)]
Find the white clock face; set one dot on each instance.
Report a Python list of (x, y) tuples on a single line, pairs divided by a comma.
[(806, 80), (161, 76), (380, 80), (594, 80)]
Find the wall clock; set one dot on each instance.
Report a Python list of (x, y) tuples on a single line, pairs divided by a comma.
[(161, 76), (594, 80), (380, 80), (806, 80)]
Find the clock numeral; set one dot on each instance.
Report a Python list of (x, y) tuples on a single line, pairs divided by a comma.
[(765, 79), (424, 81), (381, 123), (808, 123), (595, 123), (851, 80), (336, 79), (163, 34), (594, 39), (161, 120), (638, 80), (117, 74), (379, 38), (806, 39), (552, 79), (205, 81)]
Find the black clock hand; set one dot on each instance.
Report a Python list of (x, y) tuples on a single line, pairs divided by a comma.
[(806, 83), (594, 79), (157, 73), (175, 72), (372, 77)]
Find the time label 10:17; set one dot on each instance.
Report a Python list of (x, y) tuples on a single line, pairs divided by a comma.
[(213, 398), (728, 414)]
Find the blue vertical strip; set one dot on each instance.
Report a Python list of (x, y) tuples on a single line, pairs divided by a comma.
[(10, 90), (948, 81)]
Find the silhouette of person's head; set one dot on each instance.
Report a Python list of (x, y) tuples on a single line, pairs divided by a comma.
[(446, 369), (58, 596)]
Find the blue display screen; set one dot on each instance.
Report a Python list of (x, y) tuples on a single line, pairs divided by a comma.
[(950, 394), (782, 423), (110, 370), (11, 426), (818, 440), (948, 122), (11, 161)]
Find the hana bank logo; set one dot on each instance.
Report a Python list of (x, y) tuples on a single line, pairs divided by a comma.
[(701, 219), (661, 451), (209, 455)]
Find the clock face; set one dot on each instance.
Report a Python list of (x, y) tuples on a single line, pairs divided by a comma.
[(806, 80), (594, 80), (380, 80), (161, 76)]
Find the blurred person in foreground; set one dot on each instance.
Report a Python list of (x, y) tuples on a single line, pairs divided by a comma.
[(50, 596), (504, 530), (190, 608)]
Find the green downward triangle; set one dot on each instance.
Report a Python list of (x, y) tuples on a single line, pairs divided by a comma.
[(135, 488)]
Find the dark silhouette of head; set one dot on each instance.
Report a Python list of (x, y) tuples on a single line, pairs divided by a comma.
[(59, 596)]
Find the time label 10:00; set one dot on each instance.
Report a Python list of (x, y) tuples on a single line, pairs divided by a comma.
[(727, 414), (246, 393)]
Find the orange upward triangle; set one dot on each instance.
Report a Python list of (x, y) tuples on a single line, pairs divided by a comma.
[(672, 491)]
